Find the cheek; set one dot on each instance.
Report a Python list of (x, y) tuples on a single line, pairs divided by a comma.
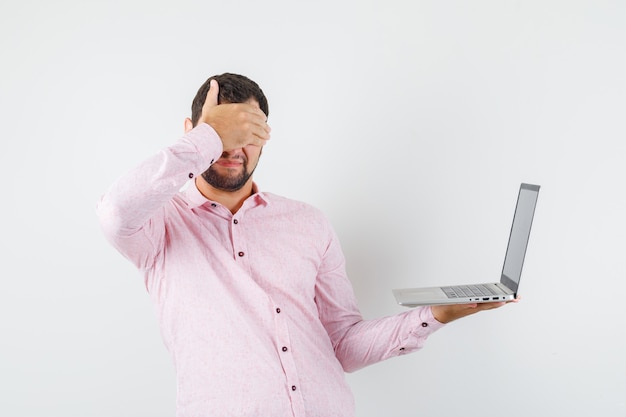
[(252, 153)]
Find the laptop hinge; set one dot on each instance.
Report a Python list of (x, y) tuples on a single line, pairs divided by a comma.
[(504, 288)]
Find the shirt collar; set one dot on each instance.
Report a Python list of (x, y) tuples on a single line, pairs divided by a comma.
[(195, 198)]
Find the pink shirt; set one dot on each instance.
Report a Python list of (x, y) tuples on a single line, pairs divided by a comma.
[(255, 307)]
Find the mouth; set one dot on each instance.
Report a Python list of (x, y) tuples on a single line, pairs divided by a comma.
[(229, 163), (232, 158)]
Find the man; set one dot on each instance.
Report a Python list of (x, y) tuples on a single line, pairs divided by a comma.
[(250, 288)]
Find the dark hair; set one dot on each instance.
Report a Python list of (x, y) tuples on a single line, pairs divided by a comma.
[(234, 88)]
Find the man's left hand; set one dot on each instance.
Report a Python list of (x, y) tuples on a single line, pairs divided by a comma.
[(451, 312)]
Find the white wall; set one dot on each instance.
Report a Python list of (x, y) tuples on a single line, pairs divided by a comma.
[(411, 123)]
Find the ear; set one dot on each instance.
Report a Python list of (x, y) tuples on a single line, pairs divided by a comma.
[(188, 124)]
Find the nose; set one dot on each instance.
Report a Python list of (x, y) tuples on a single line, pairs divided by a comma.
[(234, 154)]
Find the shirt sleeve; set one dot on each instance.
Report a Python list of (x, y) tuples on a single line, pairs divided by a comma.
[(131, 211), (357, 342)]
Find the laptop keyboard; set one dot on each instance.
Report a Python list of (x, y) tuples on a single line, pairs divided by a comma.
[(460, 291)]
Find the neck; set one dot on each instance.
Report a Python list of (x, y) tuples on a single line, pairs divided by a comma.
[(232, 200)]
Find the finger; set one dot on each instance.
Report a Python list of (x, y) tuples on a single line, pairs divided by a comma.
[(262, 134), (259, 112), (490, 306), (265, 130), (212, 95), (259, 127), (258, 142), (259, 136)]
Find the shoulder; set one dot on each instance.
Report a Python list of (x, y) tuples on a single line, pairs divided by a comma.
[(290, 204), (297, 210)]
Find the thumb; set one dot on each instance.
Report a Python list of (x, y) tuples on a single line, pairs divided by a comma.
[(212, 94)]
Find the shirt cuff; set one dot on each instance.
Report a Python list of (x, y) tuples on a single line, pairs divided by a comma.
[(207, 143), (428, 322)]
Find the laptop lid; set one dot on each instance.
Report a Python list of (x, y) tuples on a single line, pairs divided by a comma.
[(519, 236)]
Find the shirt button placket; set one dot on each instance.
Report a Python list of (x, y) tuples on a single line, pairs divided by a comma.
[(235, 235), (287, 360)]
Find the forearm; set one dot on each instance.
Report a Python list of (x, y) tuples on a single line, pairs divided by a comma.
[(135, 197), (371, 341), (357, 342)]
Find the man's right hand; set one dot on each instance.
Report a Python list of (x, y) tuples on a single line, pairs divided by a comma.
[(237, 124)]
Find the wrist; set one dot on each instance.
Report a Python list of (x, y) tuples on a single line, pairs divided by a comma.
[(438, 314)]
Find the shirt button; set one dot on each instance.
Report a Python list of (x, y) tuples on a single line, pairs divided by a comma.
[(240, 254), (278, 310), (293, 387), (285, 349), (235, 221), (213, 205), (191, 175), (424, 324), (212, 160)]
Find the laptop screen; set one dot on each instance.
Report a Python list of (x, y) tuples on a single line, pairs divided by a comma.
[(520, 232)]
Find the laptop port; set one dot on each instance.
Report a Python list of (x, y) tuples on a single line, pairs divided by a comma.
[(486, 299)]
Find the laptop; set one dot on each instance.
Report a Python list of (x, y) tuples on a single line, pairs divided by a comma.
[(506, 289)]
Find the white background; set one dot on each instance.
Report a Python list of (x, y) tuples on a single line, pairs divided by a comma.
[(410, 123)]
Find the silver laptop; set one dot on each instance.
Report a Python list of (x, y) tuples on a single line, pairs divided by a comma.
[(506, 289)]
